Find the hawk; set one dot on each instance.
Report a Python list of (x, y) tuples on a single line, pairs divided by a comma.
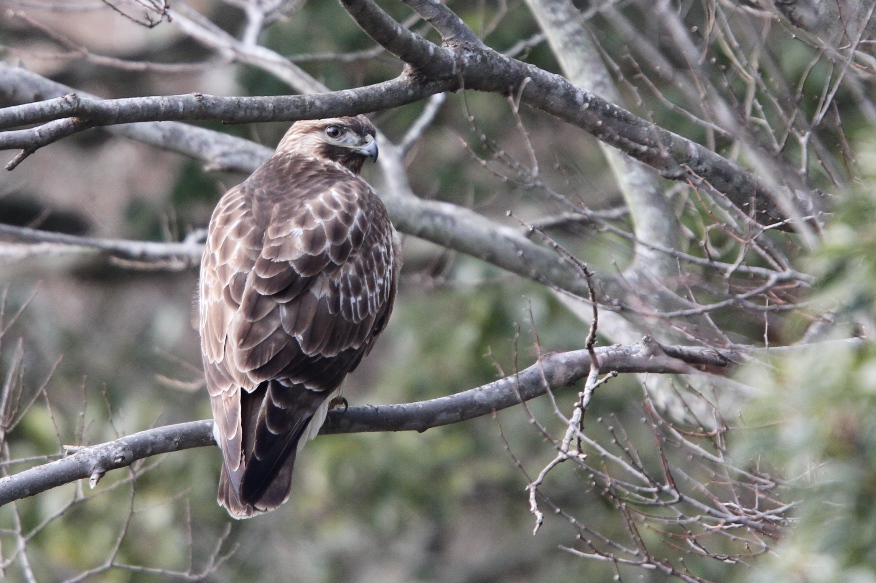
[(298, 279)]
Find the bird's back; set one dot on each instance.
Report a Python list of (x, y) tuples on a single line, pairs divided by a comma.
[(298, 279)]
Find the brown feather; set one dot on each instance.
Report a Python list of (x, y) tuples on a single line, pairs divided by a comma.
[(298, 278)]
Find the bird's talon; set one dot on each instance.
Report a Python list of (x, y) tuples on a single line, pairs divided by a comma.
[(339, 402)]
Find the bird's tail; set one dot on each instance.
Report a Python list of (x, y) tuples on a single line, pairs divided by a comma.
[(274, 418), (276, 493)]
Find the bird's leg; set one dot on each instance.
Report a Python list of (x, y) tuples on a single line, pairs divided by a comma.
[(338, 400)]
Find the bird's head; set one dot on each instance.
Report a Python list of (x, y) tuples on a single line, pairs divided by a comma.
[(345, 140)]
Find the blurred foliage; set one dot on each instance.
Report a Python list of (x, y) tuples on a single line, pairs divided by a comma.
[(813, 422)]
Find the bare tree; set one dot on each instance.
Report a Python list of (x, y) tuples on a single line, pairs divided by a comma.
[(698, 241)]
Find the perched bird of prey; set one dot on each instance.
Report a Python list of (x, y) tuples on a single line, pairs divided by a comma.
[(297, 281)]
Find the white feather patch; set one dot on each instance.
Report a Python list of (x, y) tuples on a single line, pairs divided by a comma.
[(316, 421)]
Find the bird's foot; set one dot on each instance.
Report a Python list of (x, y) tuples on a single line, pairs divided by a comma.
[(338, 402)]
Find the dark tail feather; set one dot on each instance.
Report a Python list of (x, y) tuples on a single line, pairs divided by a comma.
[(228, 498), (274, 418), (275, 494)]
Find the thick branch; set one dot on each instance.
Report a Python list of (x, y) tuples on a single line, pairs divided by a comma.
[(653, 217), (552, 372), (428, 59), (451, 27), (93, 462), (394, 93)]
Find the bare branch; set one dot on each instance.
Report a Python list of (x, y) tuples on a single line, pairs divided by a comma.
[(443, 223), (653, 220), (219, 151), (453, 30), (436, 69), (481, 68), (426, 117), (553, 371), (182, 255), (198, 106), (30, 141)]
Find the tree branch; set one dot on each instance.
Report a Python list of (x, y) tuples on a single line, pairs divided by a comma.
[(443, 223), (451, 27), (653, 219), (31, 140), (551, 372), (187, 253), (437, 69), (219, 151), (201, 107), (480, 68)]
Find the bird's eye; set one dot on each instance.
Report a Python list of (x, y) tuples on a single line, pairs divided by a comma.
[(333, 131)]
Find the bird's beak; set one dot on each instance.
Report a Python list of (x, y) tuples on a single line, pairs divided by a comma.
[(369, 149)]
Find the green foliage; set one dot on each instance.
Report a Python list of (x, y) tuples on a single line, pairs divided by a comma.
[(813, 422)]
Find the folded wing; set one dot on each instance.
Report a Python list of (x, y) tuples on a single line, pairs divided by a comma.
[(298, 279)]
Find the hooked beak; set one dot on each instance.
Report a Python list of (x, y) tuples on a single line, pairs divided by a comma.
[(369, 149)]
